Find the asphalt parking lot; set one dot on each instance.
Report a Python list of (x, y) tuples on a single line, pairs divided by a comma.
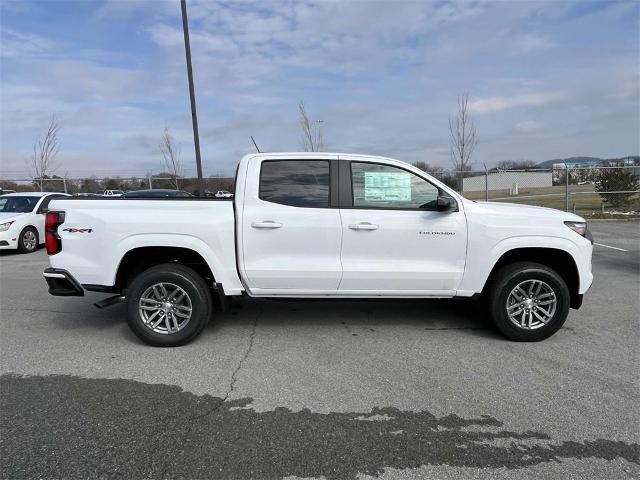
[(336, 390)]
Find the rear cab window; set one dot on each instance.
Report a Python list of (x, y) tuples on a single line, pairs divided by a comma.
[(297, 183)]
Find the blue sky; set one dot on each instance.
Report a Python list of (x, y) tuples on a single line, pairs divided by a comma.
[(546, 79)]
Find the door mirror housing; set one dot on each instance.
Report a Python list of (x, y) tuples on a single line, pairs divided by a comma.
[(445, 203)]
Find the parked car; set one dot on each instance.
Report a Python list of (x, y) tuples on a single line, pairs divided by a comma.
[(223, 194), (111, 193), (22, 219), (156, 193), (320, 225)]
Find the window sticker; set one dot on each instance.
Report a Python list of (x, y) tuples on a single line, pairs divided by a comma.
[(387, 186)]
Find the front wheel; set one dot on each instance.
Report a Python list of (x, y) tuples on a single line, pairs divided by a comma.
[(28, 241), (168, 305), (528, 301)]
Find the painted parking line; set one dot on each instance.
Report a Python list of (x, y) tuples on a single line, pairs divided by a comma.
[(609, 246)]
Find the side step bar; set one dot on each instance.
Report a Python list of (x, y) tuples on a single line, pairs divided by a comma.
[(107, 302)]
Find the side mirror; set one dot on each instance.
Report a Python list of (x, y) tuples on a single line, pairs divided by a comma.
[(445, 203)]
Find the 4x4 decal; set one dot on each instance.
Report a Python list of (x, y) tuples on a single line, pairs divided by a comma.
[(77, 230)]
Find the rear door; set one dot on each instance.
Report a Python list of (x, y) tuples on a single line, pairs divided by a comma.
[(395, 242), (291, 229)]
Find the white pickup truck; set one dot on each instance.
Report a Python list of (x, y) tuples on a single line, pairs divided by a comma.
[(319, 225)]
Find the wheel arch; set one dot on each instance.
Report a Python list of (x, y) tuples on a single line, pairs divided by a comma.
[(28, 225), (559, 260), (138, 259)]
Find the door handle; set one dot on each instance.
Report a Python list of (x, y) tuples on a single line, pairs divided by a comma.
[(363, 226), (266, 224)]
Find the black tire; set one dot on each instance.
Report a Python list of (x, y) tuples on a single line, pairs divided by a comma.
[(506, 280), (199, 296), (27, 246)]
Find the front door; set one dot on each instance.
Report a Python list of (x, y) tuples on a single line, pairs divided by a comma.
[(395, 242), (291, 233)]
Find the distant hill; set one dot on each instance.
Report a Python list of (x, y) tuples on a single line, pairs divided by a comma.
[(578, 161)]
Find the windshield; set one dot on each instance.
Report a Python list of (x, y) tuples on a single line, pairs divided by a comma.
[(18, 204)]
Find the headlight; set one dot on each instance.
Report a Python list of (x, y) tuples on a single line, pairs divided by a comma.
[(5, 226), (579, 227)]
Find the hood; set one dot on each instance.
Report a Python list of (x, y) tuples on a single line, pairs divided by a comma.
[(500, 208), (6, 216)]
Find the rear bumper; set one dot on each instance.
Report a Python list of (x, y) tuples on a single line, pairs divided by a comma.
[(61, 283)]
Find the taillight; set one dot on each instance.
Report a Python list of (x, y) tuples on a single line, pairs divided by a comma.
[(51, 222)]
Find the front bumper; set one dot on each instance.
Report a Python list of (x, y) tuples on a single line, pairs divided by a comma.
[(8, 240), (61, 283)]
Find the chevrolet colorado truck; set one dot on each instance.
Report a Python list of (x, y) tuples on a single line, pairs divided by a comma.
[(305, 225)]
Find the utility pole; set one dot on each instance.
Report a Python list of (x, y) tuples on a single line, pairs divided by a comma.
[(486, 183), (192, 95), (566, 186)]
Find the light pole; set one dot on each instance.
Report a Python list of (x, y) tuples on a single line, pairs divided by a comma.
[(192, 95)]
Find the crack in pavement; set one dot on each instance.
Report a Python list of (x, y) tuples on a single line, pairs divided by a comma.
[(234, 375), (232, 384)]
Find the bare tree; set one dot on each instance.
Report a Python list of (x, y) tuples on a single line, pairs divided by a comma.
[(171, 154), (41, 163), (312, 140), (463, 137)]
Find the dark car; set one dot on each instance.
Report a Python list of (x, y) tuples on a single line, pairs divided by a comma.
[(156, 193)]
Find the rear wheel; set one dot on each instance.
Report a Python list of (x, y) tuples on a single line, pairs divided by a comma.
[(28, 240), (528, 301), (168, 305)]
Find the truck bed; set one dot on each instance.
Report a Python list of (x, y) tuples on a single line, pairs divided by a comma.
[(97, 232)]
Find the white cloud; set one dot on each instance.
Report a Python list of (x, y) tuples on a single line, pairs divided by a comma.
[(383, 76), (121, 9), (529, 43), (494, 104), (19, 44), (528, 126)]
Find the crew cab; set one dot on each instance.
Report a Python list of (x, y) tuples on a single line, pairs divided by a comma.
[(319, 225), (22, 219)]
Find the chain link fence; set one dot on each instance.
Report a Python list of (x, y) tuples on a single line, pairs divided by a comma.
[(587, 191)]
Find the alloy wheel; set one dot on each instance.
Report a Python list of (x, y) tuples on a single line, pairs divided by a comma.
[(531, 304), (165, 308)]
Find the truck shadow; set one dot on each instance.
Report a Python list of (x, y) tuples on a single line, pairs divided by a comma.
[(129, 429), (355, 317), (360, 316)]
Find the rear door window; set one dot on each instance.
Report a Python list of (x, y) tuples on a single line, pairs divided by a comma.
[(298, 183)]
